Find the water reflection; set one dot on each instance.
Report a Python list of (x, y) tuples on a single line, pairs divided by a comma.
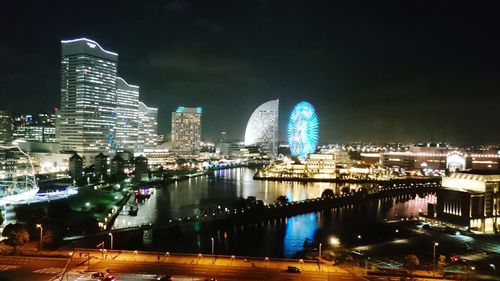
[(299, 229), (186, 198), (277, 238)]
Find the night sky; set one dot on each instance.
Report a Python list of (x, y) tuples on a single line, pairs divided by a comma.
[(379, 71)]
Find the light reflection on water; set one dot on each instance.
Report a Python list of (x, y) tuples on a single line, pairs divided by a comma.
[(279, 238), (298, 229)]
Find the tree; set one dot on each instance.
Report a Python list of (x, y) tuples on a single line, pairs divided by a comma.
[(16, 234), (282, 199), (441, 262), (327, 193), (412, 261)]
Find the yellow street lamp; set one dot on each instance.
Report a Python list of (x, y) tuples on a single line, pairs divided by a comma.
[(38, 225), (334, 241)]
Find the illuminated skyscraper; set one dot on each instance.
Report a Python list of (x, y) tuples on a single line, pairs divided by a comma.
[(88, 97), (262, 128), (127, 115), (186, 129), (148, 125)]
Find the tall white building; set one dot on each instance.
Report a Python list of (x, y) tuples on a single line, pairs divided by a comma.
[(186, 130), (127, 115), (88, 97), (148, 125), (262, 128)]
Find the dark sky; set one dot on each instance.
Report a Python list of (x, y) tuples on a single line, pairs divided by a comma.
[(374, 70)]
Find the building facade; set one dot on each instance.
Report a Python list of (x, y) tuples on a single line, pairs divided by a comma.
[(186, 130), (148, 126), (141, 170), (6, 127), (101, 165), (127, 115), (75, 166), (262, 128), (88, 97), (440, 159), (40, 133), (469, 201)]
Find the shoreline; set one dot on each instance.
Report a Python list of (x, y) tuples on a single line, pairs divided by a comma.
[(337, 180)]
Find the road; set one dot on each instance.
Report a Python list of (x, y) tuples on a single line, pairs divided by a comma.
[(30, 268), (43, 268), (218, 272), (145, 266)]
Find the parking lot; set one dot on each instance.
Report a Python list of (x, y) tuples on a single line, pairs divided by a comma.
[(479, 254)]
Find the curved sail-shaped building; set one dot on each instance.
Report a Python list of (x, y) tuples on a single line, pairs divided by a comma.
[(262, 128)]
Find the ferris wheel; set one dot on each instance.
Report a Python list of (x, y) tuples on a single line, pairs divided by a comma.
[(303, 130)]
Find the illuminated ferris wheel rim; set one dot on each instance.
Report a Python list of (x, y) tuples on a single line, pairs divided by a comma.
[(303, 128)]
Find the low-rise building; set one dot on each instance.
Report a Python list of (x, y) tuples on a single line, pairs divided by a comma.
[(469, 201), (141, 168), (101, 165), (117, 166), (76, 166)]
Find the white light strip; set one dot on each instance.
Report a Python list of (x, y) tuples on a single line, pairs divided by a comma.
[(147, 107), (133, 86), (88, 40)]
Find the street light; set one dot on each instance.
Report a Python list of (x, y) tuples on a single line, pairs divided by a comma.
[(212, 245), (38, 225), (434, 253), (320, 250), (111, 237), (334, 241)]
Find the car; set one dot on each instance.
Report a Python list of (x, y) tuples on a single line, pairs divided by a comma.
[(454, 258), (293, 269), (98, 275), (109, 277), (163, 278)]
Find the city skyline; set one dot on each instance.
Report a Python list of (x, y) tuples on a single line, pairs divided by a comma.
[(426, 78), (249, 140)]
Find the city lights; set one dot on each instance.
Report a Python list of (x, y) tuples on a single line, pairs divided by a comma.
[(165, 158)]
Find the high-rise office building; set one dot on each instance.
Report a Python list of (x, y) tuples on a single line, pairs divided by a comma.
[(6, 127), (127, 115), (88, 97), (148, 125), (34, 127), (41, 133), (262, 128), (186, 130)]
